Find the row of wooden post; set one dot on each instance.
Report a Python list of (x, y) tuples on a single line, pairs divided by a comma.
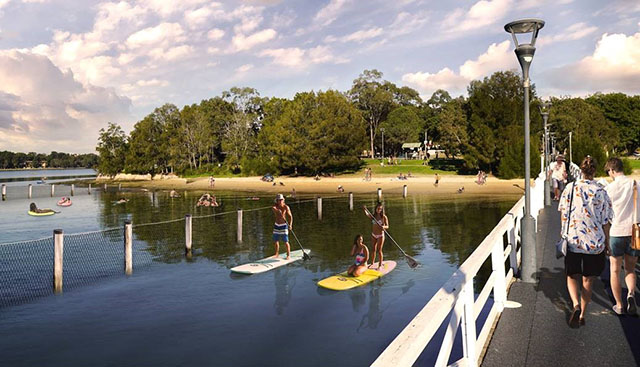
[(58, 239), (53, 190)]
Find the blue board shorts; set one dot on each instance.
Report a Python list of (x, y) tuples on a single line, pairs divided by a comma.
[(281, 232), (622, 245)]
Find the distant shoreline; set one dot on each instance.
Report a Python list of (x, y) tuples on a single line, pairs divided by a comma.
[(43, 169)]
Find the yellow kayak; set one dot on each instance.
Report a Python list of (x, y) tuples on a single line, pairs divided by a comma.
[(342, 281), (36, 214)]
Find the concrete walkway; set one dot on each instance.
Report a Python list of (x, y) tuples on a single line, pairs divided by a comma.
[(537, 333)]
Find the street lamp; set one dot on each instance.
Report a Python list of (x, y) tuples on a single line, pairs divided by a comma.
[(544, 111), (382, 131), (525, 52)]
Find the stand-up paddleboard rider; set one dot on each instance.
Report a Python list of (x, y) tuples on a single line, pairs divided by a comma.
[(380, 223), (281, 228)]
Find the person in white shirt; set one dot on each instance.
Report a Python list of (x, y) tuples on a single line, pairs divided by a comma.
[(558, 176), (621, 193)]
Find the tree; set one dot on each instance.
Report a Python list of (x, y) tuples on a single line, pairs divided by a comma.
[(403, 125), (243, 124), (112, 148), (453, 127), (373, 98), (624, 112)]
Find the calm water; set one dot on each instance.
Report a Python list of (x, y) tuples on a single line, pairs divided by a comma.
[(32, 176), (194, 312)]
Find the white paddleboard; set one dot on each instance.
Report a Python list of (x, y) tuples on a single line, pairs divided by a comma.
[(269, 263)]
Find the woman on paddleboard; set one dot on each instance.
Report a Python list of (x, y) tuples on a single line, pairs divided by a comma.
[(380, 224), (361, 252)]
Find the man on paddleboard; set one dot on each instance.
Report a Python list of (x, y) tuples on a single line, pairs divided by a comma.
[(281, 226)]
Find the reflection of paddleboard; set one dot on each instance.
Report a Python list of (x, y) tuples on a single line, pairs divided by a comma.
[(343, 281), (268, 263), (41, 214)]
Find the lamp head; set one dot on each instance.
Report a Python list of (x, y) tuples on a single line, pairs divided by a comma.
[(525, 51)]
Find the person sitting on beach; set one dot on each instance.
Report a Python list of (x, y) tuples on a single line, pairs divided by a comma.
[(340, 188), (409, 174), (317, 178), (33, 208), (460, 189), (361, 252)]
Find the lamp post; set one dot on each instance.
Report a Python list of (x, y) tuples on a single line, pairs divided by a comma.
[(544, 111), (525, 52), (382, 131)]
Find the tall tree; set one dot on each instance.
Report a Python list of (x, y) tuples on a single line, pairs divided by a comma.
[(374, 98), (403, 125), (243, 124), (624, 112), (112, 148)]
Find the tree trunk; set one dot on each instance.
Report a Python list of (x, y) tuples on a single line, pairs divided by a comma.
[(371, 135)]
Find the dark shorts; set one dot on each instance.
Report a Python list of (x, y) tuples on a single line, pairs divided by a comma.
[(622, 245), (583, 264)]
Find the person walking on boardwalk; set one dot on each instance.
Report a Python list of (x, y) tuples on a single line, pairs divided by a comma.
[(621, 254), (380, 224), (586, 209), (361, 252), (558, 176), (281, 226)]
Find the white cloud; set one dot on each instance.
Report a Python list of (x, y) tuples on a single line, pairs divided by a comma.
[(160, 35), (4, 3), (330, 12), (241, 42), (482, 14), (166, 8), (215, 34), (362, 35), (244, 68), (614, 66), (198, 17), (497, 57), (301, 58), (45, 108), (572, 33)]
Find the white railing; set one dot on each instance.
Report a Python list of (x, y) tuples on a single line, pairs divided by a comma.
[(455, 303)]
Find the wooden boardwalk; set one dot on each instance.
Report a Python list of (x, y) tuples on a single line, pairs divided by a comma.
[(537, 332)]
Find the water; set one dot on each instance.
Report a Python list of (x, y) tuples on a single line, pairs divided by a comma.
[(33, 176), (194, 312)]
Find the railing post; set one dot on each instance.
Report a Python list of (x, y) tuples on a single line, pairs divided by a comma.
[(404, 191), (73, 189), (239, 225), (58, 257), (497, 264), (468, 325), (128, 248), (379, 194), (351, 201), (187, 233), (30, 191), (4, 192), (89, 190), (53, 189), (319, 208)]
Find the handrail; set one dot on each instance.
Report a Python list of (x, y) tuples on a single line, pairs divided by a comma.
[(455, 304)]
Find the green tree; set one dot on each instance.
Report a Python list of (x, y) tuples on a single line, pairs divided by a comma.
[(452, 127), (149, 143), (112, 148), (624, 112), (241, 127), (403, 125)]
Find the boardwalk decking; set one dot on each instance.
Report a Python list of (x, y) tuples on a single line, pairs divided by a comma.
[(537, 333)]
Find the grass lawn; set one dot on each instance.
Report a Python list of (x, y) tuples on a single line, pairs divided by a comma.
[(635, 163), (404, 166)]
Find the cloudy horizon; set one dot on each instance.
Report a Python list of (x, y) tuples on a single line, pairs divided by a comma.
[(66, 69)]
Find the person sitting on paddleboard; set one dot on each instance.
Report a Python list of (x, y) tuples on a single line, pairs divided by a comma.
[(380, 224), (281, 226), (361, 252)]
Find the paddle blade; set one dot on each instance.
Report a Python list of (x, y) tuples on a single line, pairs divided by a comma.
[(305, 256), (412, 262)]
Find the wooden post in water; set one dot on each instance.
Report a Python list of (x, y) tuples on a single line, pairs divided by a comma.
[(187, 233), (128, 248), (351, 201), (319, 208), (105, 187), (30, 194), (58, 256), (73, 189), (53, 189), (4, 192), (239, 225), (89, 189), (379, 194), (120, 187), (404, 191)]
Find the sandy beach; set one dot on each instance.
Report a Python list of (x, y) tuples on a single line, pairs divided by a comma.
[(448, 185)]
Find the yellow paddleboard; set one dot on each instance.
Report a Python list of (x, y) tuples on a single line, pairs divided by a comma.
[(342, 281)]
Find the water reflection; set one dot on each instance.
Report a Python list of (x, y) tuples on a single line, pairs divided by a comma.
[(284, 283), (372, 318)]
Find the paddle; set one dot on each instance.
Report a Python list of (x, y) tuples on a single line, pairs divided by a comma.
[(410, 260), (305, 256)]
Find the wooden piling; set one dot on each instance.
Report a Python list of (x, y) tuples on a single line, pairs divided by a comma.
[(187, 233), (58, 256), (89, 189), (119, 187), (351, 201), (239, 225), (30, 194), (4, 192), (53, 189), (379, 194), (73, 189), (404, 191), (128, 248), (319, 208), (105, 187)]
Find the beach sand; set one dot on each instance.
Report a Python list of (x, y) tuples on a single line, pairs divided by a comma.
[(448, 185)]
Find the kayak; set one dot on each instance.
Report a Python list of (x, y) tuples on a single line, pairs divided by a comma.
[(269, 263), (35, 214), (342, 281)]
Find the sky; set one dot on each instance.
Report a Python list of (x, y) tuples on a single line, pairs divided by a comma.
[(67, 68)]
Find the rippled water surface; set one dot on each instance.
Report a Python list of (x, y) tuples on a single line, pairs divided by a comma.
[(183, 311)]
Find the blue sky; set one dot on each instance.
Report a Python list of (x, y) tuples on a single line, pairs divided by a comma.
[(69, 67)]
